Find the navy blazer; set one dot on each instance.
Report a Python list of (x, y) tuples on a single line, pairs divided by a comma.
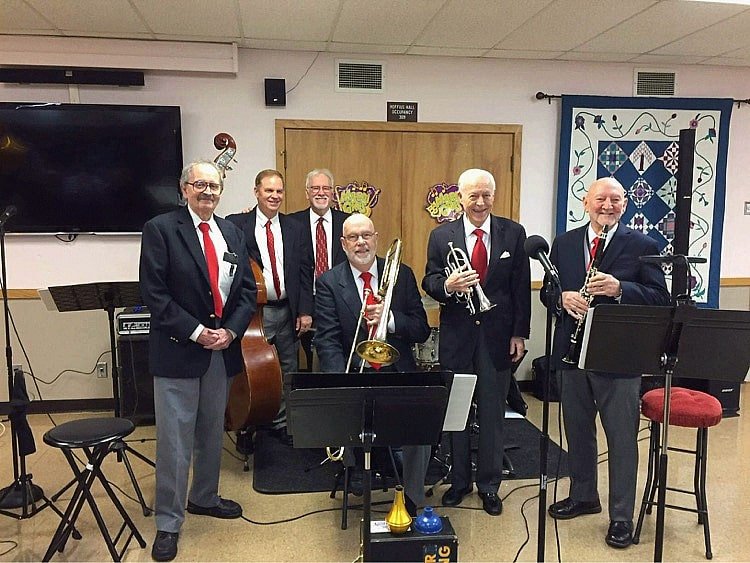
[(642, 284), (337, 228), (507, 285), (175, 287), (337, 308), (298, 268)]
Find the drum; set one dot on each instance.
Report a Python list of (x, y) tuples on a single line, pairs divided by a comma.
[(426, 354)]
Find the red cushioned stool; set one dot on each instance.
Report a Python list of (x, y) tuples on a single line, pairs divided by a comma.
[(689, 409)]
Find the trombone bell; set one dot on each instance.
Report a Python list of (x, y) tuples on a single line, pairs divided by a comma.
[(378, 352)]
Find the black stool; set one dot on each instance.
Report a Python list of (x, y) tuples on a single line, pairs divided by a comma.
[(96, 437)]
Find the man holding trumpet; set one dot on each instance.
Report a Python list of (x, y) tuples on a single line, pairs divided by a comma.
[(477, 269), (349, 288)]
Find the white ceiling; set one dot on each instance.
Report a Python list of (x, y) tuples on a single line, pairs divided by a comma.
[(654, 32)]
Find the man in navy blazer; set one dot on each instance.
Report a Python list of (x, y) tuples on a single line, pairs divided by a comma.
[(620, 278), (197, 314), (485, 343), (288, 275), (338, 302)]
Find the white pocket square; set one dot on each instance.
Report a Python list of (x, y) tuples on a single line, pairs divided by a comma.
[(505, 254)]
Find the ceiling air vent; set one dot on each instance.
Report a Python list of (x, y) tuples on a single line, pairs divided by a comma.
[(359, 76), (654, 83)]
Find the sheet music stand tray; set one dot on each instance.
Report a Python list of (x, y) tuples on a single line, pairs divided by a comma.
[(680, 340), (367, 410), (107, 296)]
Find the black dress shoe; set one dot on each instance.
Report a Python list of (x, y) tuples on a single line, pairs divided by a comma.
[(411, 508), (356, 479), (569, 508), (227, 509), (491, 503), (620, 534), (165, 546), (454, 496)]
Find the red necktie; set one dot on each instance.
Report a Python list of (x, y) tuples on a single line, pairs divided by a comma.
[(213, 268), (272, 255), (479, 256), (321, 249), (369, 296), (592, 253)]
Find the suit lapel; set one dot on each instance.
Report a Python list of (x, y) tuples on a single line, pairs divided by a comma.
[(186, 230), (286, 237), (232, 244), (615, 247), (349, 291), (497, 244)]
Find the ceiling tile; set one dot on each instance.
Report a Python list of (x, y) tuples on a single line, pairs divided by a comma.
[(294, 20), (668, 59), (383, 22), (477, 23), (565, 24), (664, 22), (118, 17), (283, 45), (336, 47), (510, 54), (196, 18), (603, 57), (445, 51), (716, 39), (17, 17)]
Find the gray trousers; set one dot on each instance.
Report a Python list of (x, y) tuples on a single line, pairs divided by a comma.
[(617, 400), (278, 326), (189, 423)]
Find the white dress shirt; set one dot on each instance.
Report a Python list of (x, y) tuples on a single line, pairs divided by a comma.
[(328, 227), (278, 243)]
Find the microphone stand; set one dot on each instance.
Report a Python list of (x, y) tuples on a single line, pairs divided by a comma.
[(553, 292)]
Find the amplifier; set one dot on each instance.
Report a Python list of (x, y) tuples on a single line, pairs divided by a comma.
[(413, 546), (133, 320)]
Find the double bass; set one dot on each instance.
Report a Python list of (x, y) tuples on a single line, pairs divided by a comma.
[(255, 395)]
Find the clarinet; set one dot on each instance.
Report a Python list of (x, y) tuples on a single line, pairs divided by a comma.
[(574, 351)]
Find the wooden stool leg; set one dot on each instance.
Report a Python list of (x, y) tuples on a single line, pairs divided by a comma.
[(652, 458), (655, 426), (703, 432)]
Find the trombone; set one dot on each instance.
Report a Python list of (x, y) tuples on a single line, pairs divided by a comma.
[(458, 261)]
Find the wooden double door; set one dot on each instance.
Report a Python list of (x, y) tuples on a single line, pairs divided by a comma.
[(403, 160)]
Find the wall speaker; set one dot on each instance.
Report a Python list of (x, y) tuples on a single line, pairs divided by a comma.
[(71, 76), (136, 384), (275, 91)]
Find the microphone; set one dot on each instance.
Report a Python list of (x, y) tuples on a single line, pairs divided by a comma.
[(536, 247), (672, 258), (7, 214)]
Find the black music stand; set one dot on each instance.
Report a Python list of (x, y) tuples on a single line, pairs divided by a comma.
[(108, 296), (681, 340), (367, 410)]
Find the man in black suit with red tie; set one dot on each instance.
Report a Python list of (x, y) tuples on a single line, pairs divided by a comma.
[(282, 247), (196, 281), (324, 226), (485, 343), (620, 278)]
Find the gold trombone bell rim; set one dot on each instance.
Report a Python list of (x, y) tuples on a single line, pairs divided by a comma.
[(377, 351)]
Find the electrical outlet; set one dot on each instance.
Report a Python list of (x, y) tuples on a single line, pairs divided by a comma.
[(747, 208), (17, 367), (101, 369)]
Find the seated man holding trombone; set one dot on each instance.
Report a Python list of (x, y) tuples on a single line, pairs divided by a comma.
[(383, 292)]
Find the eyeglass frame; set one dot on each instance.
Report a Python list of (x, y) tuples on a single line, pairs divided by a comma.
[(318, 189), (216, 191), (355, 238)]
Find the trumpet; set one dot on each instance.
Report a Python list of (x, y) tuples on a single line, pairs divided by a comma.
[(574, 351), (458, 261)]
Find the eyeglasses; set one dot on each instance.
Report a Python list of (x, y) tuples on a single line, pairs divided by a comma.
[(355, 238), (201, 185), (318, 189)]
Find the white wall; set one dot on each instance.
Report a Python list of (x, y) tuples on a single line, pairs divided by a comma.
[(447, 90)]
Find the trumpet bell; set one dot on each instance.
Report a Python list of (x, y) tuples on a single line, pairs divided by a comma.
[(377, 352)]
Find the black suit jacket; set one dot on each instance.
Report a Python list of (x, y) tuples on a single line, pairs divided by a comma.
[(175, 287), (642, 284), (337, 227), (298, 268), (337, 307), (507, 285)]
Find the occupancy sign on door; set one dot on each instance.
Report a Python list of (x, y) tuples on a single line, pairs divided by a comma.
[(402, 111)]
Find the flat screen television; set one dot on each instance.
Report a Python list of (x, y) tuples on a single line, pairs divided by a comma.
[(84, 168)]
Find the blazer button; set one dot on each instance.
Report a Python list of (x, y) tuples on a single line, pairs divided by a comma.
[(477, 323), (212, 316)]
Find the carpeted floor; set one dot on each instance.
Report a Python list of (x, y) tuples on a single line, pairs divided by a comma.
[(281, 469)]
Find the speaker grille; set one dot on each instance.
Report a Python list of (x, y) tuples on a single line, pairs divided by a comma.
[(359, 76), (654, 83)]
